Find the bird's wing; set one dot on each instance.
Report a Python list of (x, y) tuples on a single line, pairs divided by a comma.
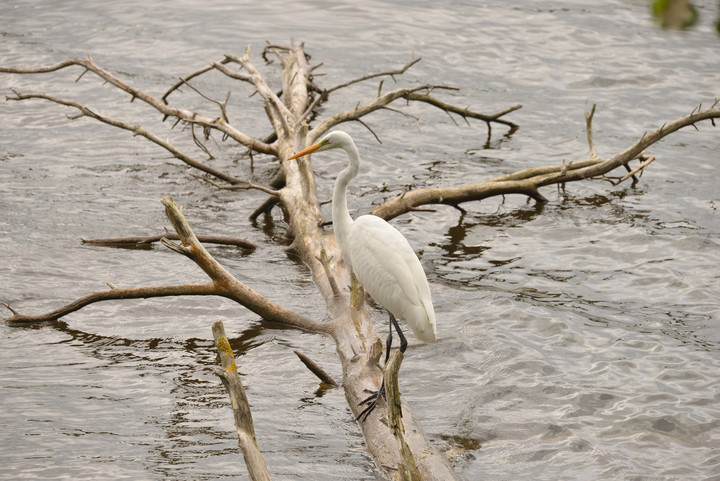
[(391, 273)]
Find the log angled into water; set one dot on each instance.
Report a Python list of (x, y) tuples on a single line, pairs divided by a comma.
[(244, 426)]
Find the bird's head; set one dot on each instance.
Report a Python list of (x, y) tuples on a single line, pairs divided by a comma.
[(333, 140)]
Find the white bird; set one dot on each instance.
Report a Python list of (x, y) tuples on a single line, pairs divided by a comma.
[(379, 254)]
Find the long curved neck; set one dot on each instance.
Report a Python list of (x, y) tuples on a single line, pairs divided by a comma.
[(342, 222)]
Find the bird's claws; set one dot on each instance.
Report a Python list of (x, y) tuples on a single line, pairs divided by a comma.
[(371, 402), (373, 395)]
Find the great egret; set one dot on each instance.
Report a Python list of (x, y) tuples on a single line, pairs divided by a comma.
[(380, 256)]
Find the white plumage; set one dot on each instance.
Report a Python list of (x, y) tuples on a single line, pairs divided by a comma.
[(381, 257), (390, 272)]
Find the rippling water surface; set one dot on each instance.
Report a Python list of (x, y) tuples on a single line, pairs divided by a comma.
[(578, 340)]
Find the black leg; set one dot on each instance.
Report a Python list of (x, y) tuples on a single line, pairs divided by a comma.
[(371, 400), (403, 340), (388, 343)]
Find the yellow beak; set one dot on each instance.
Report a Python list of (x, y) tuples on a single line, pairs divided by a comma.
[(309, 150)]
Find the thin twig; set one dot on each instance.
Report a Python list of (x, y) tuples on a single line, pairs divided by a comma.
[(241, 185), (390, 73)]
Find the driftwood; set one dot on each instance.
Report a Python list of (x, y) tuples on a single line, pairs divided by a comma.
[(241, 407), (358, 345), (146, 241)]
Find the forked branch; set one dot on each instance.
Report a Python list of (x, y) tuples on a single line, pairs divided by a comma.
[(421, 94), (223, 284), (135, 129), (184, 115)]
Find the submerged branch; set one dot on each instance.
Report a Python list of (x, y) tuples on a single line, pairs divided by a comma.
[(115, 294), (140, 241)]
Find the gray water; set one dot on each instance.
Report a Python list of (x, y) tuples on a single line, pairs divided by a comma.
[(577, 340)]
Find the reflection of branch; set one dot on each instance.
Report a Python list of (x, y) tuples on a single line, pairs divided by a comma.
[(241, 407), (528, 181)]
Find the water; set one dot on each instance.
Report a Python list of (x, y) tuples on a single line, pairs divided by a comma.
[(578, 340)]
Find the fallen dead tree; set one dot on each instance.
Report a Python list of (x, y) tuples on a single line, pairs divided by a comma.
[(293, 189)]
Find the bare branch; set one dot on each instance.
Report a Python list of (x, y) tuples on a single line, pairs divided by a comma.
[(528, 181), (390, 73), (411, 94), (638, 169), (183, 80), (221, 105), (139, 241), (465, 113), (219, 124), (227, 284), (241, 185), (407, 468), (324, 377), (283, 114), (588, 129), (135, 129), (632, 152), (224, 284), (359, 111), (115, 294), (265, 207)]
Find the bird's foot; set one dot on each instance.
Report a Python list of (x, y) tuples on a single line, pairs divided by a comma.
[(371, 402)]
